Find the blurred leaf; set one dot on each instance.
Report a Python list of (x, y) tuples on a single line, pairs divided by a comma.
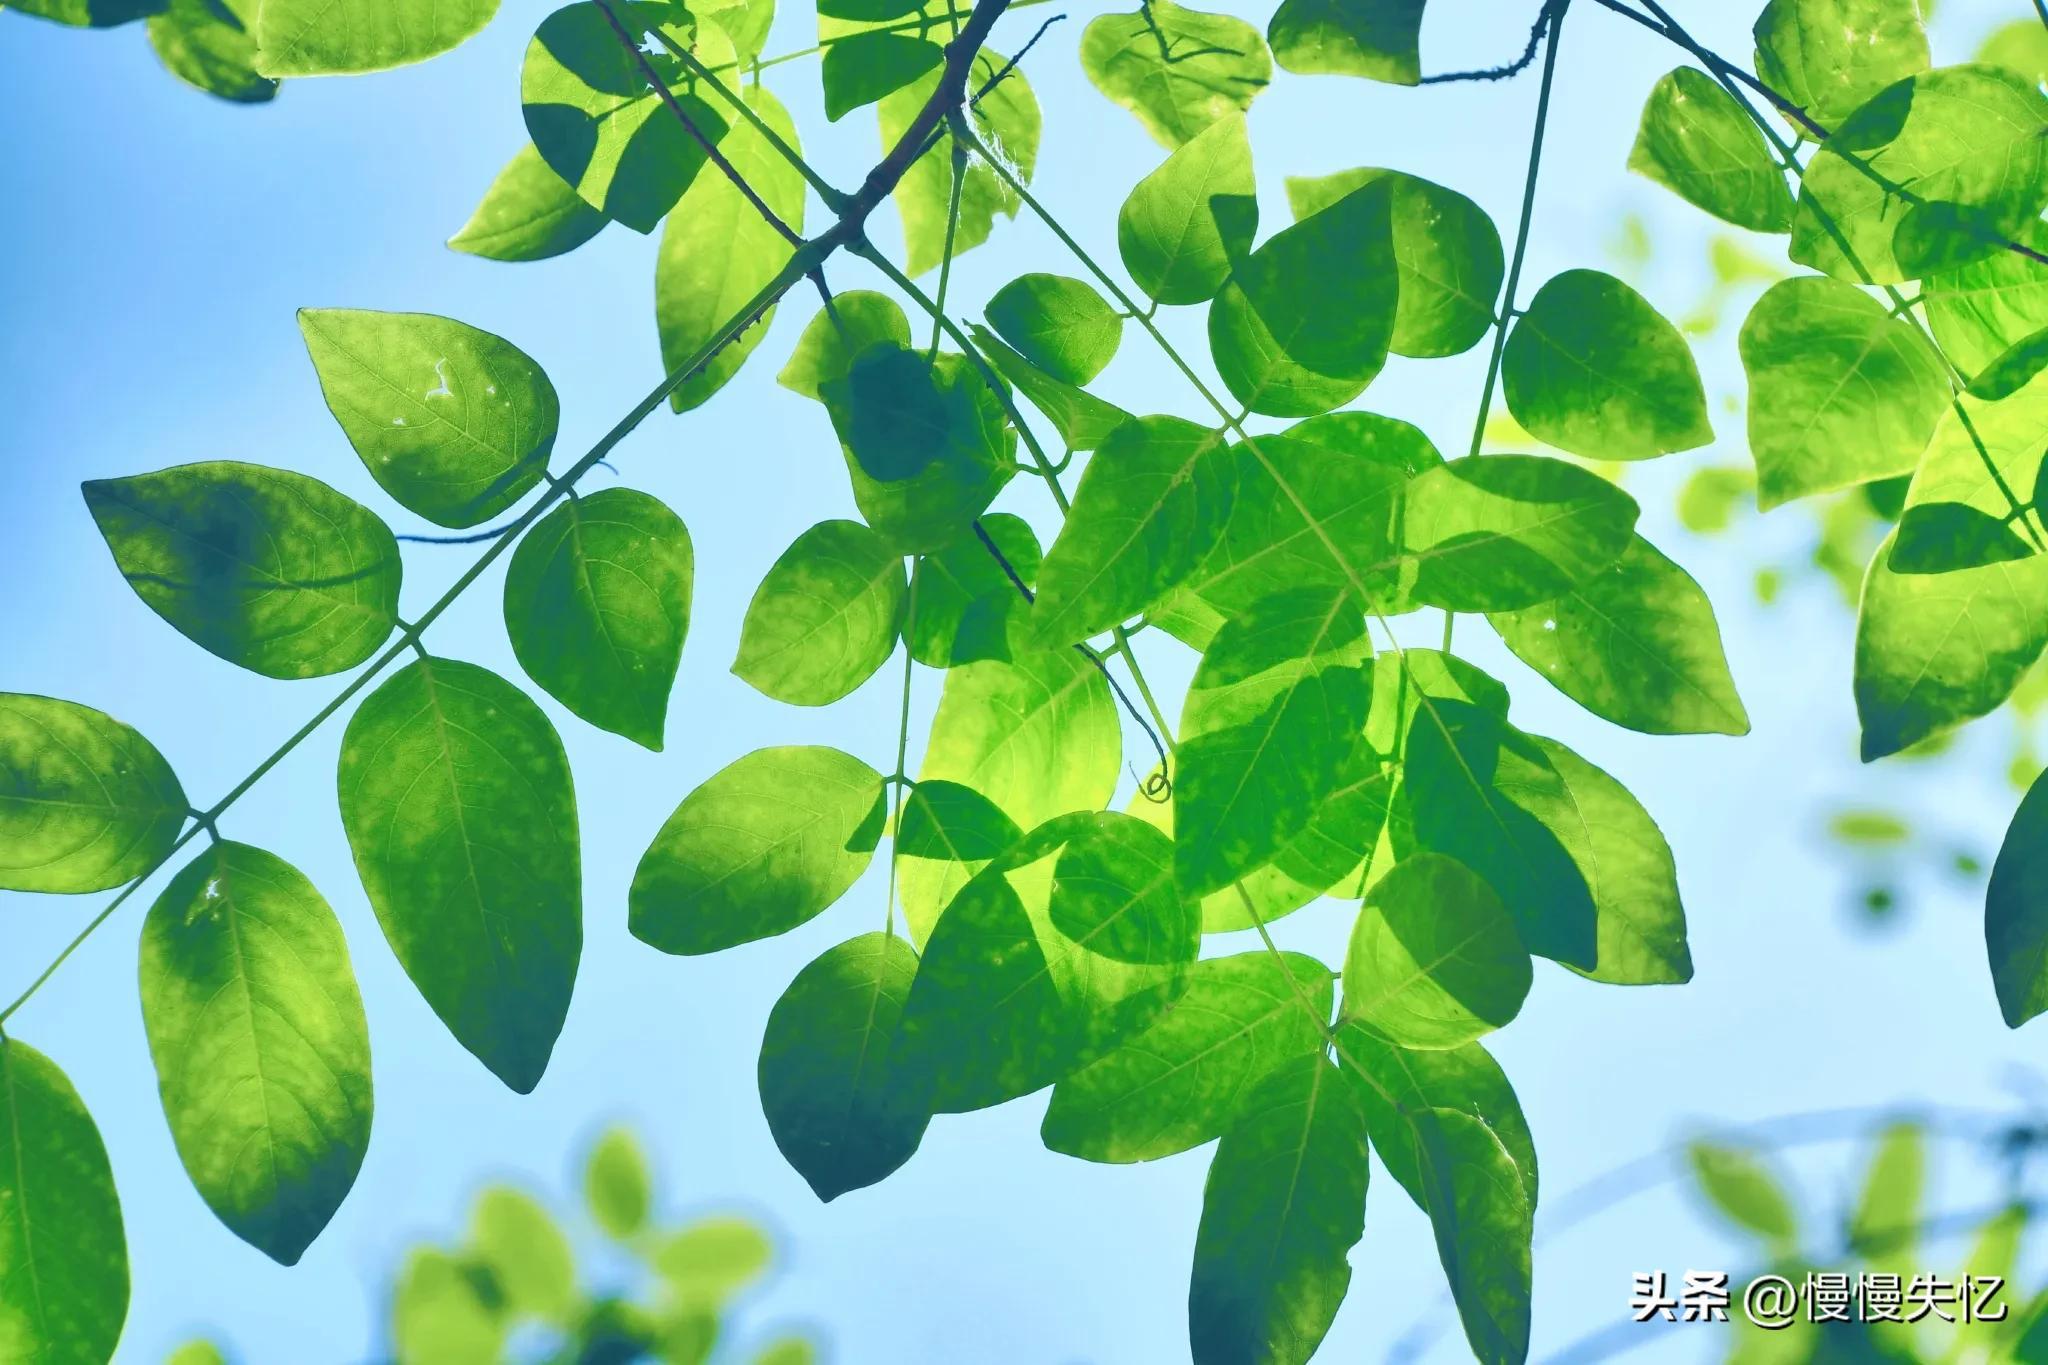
[(617, 1186), (1882, 1225), (527, 1253), (439, 1317), (712, 1259), (1737, 1183)]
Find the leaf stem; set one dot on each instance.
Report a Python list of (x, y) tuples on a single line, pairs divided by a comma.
[(1555, 10), (900, 778)]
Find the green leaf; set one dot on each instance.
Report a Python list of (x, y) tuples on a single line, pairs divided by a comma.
[(718, 252), (86, 803), (1696, 141), (1980, 310), (1377, 39), (196, 1353), (1037, 735), (1189, 222), (455, 423), (1840, 391), (1500, 532), (861, 68), (1184, 1080), (766, 843), (1739, 1186), (439, 1316), (1935, 650), (746, 24), (1060, 325), (1434, 960), (1592, 368), (1829, 56), (527, 1254), (965, 601), (1635, 644), (927, 444), (1482, 1209), (456, 797), (1179, 70), (1889, 1208), (1981, 467), (712, 1259), (825, 353), (1304, 323), (1273, 710), (826, 616), (595, 120), (1083, 420), (617, 1186), (835, 1107), (346, 37), (1446, 252), (1619, 853), (597, 602), (528, 214), (65, 1295), (262, 1052), (208, 45), (1930, 173), (1152, 503), (90, 13), (1049, 957), (1393, 1083), (2014, 368), (2016, 911), (1464, 767), (1007, 122), (1283, 1206), (266, 568), (1319, 504), (946, 820), (787, 1351)]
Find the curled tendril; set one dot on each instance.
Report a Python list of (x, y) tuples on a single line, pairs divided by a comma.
[(1155, 786)]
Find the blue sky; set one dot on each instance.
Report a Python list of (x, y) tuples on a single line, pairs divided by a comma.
[(156, 244)]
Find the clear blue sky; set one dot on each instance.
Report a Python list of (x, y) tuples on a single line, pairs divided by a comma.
[(155, 245)]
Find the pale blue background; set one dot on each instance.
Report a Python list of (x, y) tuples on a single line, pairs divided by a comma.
[(156, 243)]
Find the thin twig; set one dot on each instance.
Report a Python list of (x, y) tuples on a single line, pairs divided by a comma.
[(1500, 73)]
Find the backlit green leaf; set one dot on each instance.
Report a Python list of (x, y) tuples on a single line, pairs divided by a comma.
[(529, 213), (86, 803), (1037, 735), (1498, 532), (1636, 643), (1185, 1079), (438, 1314), (526, 1252), (1152, 503), (966, 601), (863, 67), (1393, 1083), (268, 569), (207, 44), (455, 423), (2013, 368), (1482, 1208), (617, 1186), (1287, 694), (710, 1260), (1377, 39), (90, 13), (1178, 69), (825, 617), (456, 797), (1743, 1189), (1049, 957), (1060, 325), (1434, 959), (1935, 650), (1829, 56), (1979, 310), (1889, 1208), (1840, 392), (1304, 323), (1007, 122), (1697, 142), (65, 1294), (1929, 174), (1982, 465), (836, 1108), (1082, 420), (2016, 911), (341, 37), (1189, 222), (1446, 251), (597, 602), (718, 252), (1592, 368), (262, 1053), (765, 844), (1283, 1206), (946, 820), (596, 121), (857, 319)]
